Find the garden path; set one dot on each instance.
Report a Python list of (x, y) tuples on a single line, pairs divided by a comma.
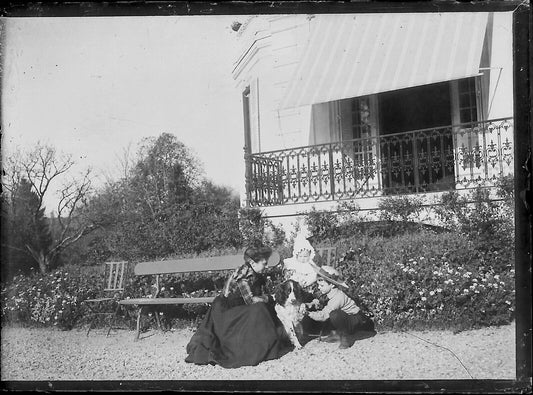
[(48, 354)]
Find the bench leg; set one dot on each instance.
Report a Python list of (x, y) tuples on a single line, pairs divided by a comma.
[(138, 333), (158, 320)]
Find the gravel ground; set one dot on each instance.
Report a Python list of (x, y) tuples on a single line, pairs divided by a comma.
[(47, 354)]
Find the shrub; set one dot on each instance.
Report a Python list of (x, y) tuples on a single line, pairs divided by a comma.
[(332, 232), (52, 299), (257, 229), (478, 214), (322, 224), (428, 280), (489, 224), (400, 208)]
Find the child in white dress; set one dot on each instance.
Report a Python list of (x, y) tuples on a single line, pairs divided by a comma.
[(299, 267)]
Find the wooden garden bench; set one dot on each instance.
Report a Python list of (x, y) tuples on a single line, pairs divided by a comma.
[(179, 266)]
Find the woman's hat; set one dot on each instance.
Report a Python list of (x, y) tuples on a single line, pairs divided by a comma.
[(331, 275), (259, 252)]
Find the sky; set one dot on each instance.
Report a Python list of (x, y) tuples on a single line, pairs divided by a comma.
[(91, 87)]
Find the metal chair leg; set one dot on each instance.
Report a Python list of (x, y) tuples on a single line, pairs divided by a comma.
[(90, 326), (93, 317), (113, 319)]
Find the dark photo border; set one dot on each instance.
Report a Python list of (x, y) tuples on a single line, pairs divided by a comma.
[(523, 102)]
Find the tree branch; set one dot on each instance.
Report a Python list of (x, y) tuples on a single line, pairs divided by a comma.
[(67, 241), (14, 248)]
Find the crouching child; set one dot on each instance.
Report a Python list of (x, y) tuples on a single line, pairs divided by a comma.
[(348, 321)]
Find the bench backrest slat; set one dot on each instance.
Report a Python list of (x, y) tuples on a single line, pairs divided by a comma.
[(204, 264)]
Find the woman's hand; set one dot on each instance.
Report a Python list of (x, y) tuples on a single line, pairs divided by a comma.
[(315, 303)]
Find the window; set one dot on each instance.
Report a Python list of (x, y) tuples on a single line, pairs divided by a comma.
[(360, 117), (466, 90)]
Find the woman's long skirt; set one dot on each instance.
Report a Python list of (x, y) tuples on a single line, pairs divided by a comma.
[(231, 337)]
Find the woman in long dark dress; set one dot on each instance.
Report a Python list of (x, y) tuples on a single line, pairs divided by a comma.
[(240, 328)]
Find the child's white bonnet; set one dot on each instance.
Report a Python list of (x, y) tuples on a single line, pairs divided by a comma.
[(301, 243)]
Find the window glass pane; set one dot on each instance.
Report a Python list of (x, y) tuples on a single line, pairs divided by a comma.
[(467, 100), (464, 100), (465, 115), (360, 117)]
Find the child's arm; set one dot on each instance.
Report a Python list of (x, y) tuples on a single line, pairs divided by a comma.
[(323, 315)]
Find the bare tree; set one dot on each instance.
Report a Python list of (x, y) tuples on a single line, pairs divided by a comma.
[(41, 166), (121, 170)]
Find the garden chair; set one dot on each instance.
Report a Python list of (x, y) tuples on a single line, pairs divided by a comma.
[(328, 254), (114, 286)]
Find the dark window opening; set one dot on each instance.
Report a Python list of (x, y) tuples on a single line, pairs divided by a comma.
[(416, 161), (415, 108)]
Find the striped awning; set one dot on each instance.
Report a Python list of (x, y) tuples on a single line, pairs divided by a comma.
[(360, 54)]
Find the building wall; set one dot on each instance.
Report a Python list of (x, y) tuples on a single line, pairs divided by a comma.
[(291, 126), (501, 104), (273, 53), (501, 84)]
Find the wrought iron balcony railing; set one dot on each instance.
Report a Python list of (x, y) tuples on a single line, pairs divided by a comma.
[(428, 160)]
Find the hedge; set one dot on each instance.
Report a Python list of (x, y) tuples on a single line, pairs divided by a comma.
[(422, 280)]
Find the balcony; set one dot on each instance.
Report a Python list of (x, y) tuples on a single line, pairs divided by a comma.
[(420, 161)]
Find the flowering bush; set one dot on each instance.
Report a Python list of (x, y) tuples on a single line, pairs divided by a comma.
[(425, 279), (57, 299), (53, 299)]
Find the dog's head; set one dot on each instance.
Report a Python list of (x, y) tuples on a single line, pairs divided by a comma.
[(288, 291)]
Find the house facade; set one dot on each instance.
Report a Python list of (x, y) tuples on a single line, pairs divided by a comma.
[(355, 107)]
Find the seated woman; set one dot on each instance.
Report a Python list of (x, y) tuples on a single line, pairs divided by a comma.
[(240, 328)]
